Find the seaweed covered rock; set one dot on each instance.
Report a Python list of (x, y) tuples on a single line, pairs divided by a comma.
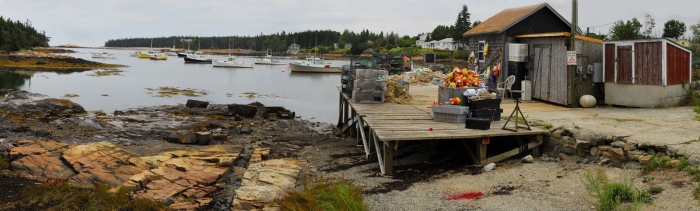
[(20, 106)]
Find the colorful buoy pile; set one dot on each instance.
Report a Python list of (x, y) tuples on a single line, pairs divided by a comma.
[(462, 79)]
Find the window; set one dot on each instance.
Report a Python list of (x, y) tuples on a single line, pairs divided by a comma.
[(481, 50)]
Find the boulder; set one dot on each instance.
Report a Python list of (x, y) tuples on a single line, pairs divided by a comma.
[(204, 138), (266, 181), (645, 159), (528, 159), (604, 148), (618, 144), (243, 110), (594, 151), (582, 145), (618, 153), (196, 104), (188, 138), (245, 129), (262, 113)]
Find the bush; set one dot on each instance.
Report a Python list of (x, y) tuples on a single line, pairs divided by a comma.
[(656, 162), (610, 195), (324, 194)]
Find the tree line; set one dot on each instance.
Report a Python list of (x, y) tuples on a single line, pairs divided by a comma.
[(273, 42), (17, 35)]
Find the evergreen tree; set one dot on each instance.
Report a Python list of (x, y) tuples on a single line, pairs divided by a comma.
[(463, 24)]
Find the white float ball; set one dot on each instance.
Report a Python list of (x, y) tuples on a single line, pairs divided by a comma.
[(587, 101)]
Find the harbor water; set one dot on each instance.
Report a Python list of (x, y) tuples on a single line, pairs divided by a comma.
[(313, 96)]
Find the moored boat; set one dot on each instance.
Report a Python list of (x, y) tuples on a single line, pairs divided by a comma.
[(313, 65), (104, 55), (231, 62), (197, 57), (268, 60), (159, 56)]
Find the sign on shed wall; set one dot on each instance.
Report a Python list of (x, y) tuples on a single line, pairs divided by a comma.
[(571, 58)]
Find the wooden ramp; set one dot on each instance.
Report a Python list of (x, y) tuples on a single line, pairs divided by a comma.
[(381, 126)]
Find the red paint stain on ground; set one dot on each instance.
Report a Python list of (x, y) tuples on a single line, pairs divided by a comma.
[(467, 195)]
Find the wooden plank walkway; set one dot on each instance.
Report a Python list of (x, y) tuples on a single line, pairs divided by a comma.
[(383, 125)]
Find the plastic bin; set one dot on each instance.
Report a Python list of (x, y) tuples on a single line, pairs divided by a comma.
[(485, 104), (370, 86), (371, 74), (368, 97), (477, 123), (445, 93), (493, 114), (451, 114)]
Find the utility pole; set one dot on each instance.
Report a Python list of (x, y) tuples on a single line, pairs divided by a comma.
[(572, 47)]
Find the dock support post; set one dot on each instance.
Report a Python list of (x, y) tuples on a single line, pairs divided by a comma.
[(369, 144), (340, 111), (345, 113), (365, 144), (379, 153), (481, 148), (536, 149), (388, 157)]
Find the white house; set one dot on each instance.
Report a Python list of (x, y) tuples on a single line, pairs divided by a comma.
[(422, 37), (444, 44)]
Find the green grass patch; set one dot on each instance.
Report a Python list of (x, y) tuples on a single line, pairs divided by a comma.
[(611, 195), (696, 118), (3, 164), (655, 190), (683, 164), (324, 194), (66, 197), (696, 109), (656, 163), (548, 126), (692, 171), (697, 193)]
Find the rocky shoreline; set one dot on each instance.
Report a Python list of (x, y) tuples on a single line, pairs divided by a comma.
[(29, 60), (190, 156)]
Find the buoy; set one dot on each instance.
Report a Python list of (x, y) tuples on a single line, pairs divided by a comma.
[(431, 129), (282, 70), (587, 101)]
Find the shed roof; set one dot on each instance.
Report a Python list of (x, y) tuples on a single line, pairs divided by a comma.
[(560, 34), (509, 17), (668, 40)]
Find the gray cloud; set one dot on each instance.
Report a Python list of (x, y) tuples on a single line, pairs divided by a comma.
[(91, 23)]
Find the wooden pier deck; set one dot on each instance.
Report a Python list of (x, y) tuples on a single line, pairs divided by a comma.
[(380, 127)]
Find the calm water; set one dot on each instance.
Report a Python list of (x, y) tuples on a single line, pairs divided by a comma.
[(308, 94)]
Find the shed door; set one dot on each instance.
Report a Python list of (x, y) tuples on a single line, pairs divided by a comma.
[(542, 65), (624, 64)]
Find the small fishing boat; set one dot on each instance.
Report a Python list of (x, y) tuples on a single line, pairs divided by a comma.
[(148, 55), (313, 65), (185, 54), (198, 57), (268, 60), (172, 51), (230, 62), (159, 56), (104, 55), (134, 54)]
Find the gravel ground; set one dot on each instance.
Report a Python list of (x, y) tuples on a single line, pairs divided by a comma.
[(536, 186)]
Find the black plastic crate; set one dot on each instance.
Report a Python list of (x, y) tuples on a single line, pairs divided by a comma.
[(485, 104), (477, 123), (493, 114)]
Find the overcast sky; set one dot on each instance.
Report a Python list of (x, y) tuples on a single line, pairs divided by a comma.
[(92, 22)]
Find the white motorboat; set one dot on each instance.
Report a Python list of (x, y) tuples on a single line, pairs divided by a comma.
[(313, 65), (268, 60), (104, 55), (230, 62), (172, 51)]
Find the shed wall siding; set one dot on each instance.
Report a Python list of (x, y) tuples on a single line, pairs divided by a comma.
[(678, 62), (496, 43), (647, 63), (549, 86), (609, 63), (590, 53), (542, 21)]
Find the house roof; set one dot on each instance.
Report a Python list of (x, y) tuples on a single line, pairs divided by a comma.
[(508, 18), (560, 34), (668, 40)]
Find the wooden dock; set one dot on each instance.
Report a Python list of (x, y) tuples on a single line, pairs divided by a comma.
[(380, 127)]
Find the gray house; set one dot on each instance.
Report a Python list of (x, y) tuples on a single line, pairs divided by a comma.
[(546, 36)]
